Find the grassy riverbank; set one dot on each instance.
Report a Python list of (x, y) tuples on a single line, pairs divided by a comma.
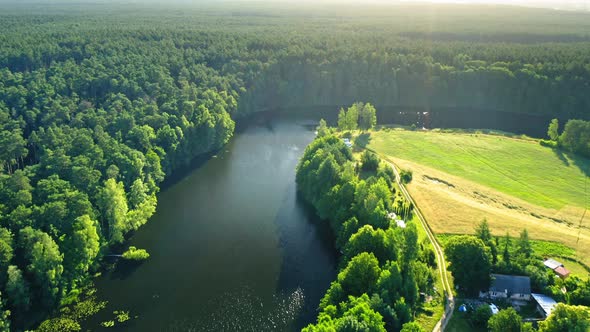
[(461, 178)]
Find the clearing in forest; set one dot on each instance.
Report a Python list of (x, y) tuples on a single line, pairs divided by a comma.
[(461, 178)]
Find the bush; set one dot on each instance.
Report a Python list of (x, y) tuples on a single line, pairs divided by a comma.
[(548, 143), (386, 172), (412, 327), (370, 161), (60, 324), (135, 254), (481, 315), (405, 175), (506, 320)]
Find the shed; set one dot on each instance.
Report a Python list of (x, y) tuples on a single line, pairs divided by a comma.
[(557, 267), (562, 272), (545, 304), (552, 264)]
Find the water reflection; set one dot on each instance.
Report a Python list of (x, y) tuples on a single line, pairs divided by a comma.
[(232, 248), (245, 311)]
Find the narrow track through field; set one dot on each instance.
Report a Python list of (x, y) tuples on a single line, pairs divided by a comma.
[(440, 257)]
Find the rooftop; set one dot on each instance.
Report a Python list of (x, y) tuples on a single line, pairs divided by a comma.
[(546, 303), (511, 284), (562, 271), (552, 264)]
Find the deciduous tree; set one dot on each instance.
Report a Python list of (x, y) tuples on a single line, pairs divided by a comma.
[(507, 320), (565, 318), (470, 263)]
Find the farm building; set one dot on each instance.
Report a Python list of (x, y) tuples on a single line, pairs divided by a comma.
[(509, 287), (545, 304), (557, 267)]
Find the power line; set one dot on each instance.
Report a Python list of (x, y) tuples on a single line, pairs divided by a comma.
[(585, 210)]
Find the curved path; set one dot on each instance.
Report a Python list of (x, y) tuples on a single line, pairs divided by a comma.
[(440, 257)]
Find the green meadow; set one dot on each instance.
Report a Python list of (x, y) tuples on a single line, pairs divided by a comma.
[(459, 178), (518, 167)]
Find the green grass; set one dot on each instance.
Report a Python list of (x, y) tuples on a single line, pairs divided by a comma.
[(520, 168), (515, 183), (460, 322), (553, 249), (575, 268), (540, 247)]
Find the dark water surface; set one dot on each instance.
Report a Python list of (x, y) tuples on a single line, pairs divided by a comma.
[(464, 118), (232, 247)]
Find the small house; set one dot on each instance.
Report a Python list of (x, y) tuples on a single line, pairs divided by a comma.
[(509, 287), (545, 304), (557, 267)]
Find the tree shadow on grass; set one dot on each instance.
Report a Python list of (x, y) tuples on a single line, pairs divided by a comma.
[(362, 140), (582, 163), (561, 156)]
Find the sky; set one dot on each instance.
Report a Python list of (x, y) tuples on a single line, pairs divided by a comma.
[(563, 4), (554, 4)]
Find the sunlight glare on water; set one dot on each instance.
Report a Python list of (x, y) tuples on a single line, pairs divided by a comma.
[(244, 311)]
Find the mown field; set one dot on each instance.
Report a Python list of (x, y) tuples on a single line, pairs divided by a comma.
[(461, 178)]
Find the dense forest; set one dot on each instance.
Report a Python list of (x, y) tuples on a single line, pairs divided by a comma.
[(99, 104)]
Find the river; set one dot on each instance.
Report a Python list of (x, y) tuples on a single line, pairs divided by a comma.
[(232, 246)]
